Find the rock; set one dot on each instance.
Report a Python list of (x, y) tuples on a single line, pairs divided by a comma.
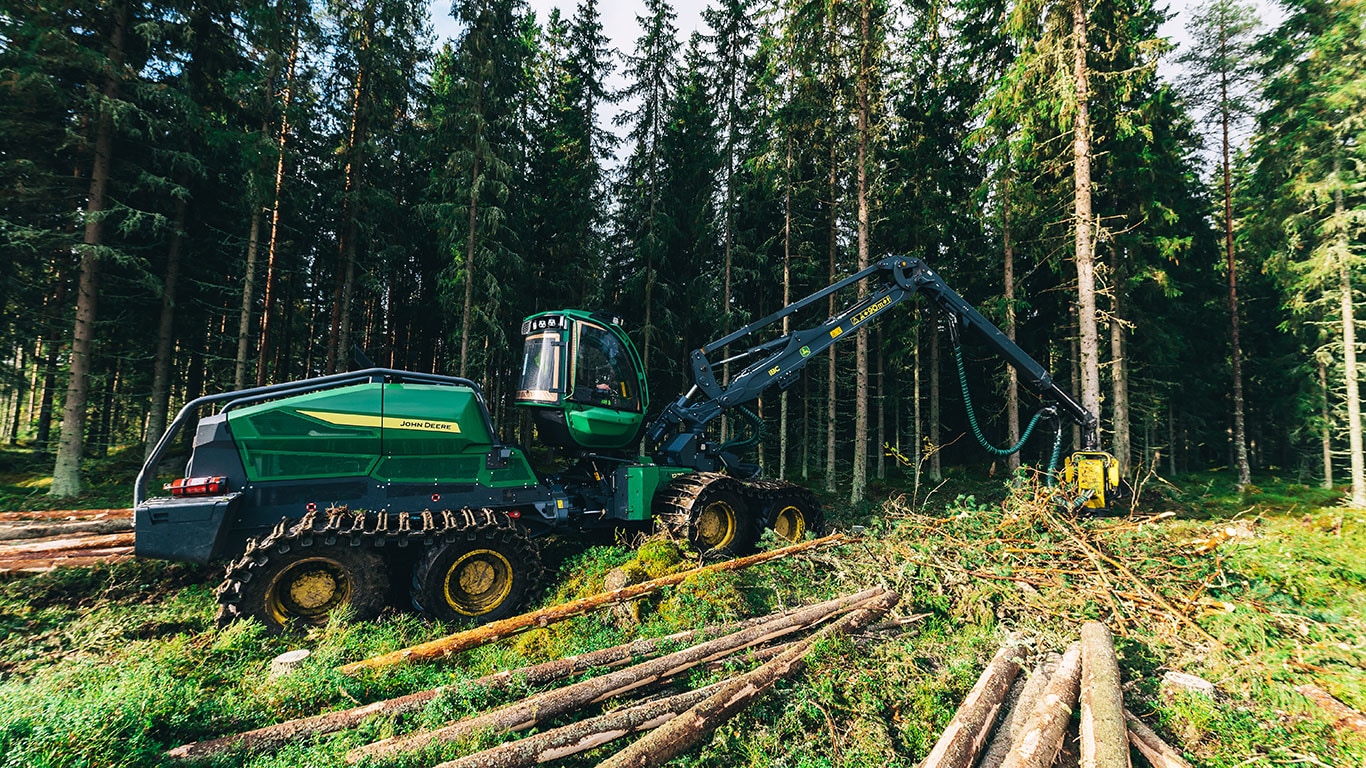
[(288, 662), (1174, 681)]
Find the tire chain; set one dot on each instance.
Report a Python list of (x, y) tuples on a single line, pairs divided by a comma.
[(360, 528), (673, 508)]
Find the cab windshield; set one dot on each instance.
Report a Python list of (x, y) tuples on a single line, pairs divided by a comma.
[(540, 368), (603, 373)]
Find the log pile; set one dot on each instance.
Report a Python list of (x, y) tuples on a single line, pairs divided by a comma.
[(35, 542), (1024, 724), (672, 724)]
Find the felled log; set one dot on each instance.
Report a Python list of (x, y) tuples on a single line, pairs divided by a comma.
[(1041, 738), (542, 707), (1156, 751), (686, 730), (42, 529), (1012, 720), (497, 630), (960, 742), (45, 562), (1344, 717), (66, 514), (272, 737), (1104, 738), (582, 736), (51, 546)]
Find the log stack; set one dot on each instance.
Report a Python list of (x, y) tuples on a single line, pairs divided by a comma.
[(1025, 724), (35, 542)]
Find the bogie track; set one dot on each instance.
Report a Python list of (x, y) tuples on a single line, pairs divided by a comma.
[(721, 514), (301, 571)]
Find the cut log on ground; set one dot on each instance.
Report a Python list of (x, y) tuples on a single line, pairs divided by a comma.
[(44, 529), (80, 559), (66, 514), (582, 736), (960, 742), (1157, 752), (1012, 721), (538, 709), (1104, 737), (685, 731), (1041, 737), (272, 737), (497, 630), (1344, 717), (53, 546)]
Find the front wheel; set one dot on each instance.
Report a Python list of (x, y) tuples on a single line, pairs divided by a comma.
[(483, 572), (297, 581)]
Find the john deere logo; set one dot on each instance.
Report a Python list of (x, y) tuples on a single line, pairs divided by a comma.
[(805, 351), (385, 422)]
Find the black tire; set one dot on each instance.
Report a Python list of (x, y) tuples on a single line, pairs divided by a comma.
[(484, 571), (296, 580), (720, 521), (794, 515)]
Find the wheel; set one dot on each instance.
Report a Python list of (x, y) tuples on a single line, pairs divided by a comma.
[(794, 517), (721, 521), (483, 572), (292, 582)]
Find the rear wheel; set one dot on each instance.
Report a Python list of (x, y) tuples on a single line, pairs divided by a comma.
[(295, 581), (484, 572), (720, 521)]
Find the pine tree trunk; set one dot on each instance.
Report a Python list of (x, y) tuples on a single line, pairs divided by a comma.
[(43, 433), (344, 282), (161, 365), (239, 377), (859, 484), (1235, 346), (472, 241), (1119, 367), (881, 406), (1349, 359), (936, 466), (830, 403), (1325, 431), (273, 252), (918, 437), (783, 424), (1081, 182), (1104, 736), (66, 474), (1012, 375)]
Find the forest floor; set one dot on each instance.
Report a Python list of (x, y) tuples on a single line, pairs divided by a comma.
[(1255, 593)]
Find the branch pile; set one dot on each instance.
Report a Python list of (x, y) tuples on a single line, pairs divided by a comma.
[(1026, 722), (33, 542)]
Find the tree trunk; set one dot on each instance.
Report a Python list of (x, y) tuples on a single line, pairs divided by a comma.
[(1119, 367), (1041, 737), (161, 366), (1349, 360), (783, 424), (936, 466), (544, 707), (481, 635), (20, 390), (1104, 739), (881, 406), (1235, 346), (66, 474), (43, 432), (273, 252), (1012, 375), (960, 742), (918, 437), (1081, 182), (1013, 722), (1151, 746), (344, 281), (859, 484), (239, 377), (1325, 431), (830, 402)]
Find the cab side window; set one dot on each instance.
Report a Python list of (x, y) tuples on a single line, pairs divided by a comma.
[(603, 374)]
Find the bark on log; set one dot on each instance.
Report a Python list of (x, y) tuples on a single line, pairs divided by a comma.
[(542, 707), (960, 742), (684, 732), (1344, 717), (588, 734), (49, 547), (1041, 738), (66, 514), (1013, 721), (1104, 738), (497, 630), (272, 737), (44, 529), (1157, 752), (43, 565)]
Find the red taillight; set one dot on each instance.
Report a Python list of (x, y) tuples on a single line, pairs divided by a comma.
[(197, 486)]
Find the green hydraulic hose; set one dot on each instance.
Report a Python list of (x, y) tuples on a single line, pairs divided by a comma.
[(756, 434), (1024, 438)]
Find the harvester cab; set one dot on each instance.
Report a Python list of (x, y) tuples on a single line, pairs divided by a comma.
[(582, 381)]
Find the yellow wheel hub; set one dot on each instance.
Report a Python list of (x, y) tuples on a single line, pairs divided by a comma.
[(308, 590), (716, 525), (478, 582), (790, 523)]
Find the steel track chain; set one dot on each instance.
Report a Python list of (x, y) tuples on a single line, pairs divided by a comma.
[(340, 525)]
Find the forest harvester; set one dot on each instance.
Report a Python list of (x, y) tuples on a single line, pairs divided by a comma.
[(383, 486)]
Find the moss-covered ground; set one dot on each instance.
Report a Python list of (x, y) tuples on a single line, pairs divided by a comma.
[(1263, 591)]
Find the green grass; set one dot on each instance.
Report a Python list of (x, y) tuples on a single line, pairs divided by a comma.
[(110, 666)]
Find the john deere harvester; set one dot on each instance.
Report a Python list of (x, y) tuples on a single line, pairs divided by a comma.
[(382, 486)]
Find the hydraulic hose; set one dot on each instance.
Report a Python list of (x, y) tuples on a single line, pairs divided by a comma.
[(756, 426), (972, 415)]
